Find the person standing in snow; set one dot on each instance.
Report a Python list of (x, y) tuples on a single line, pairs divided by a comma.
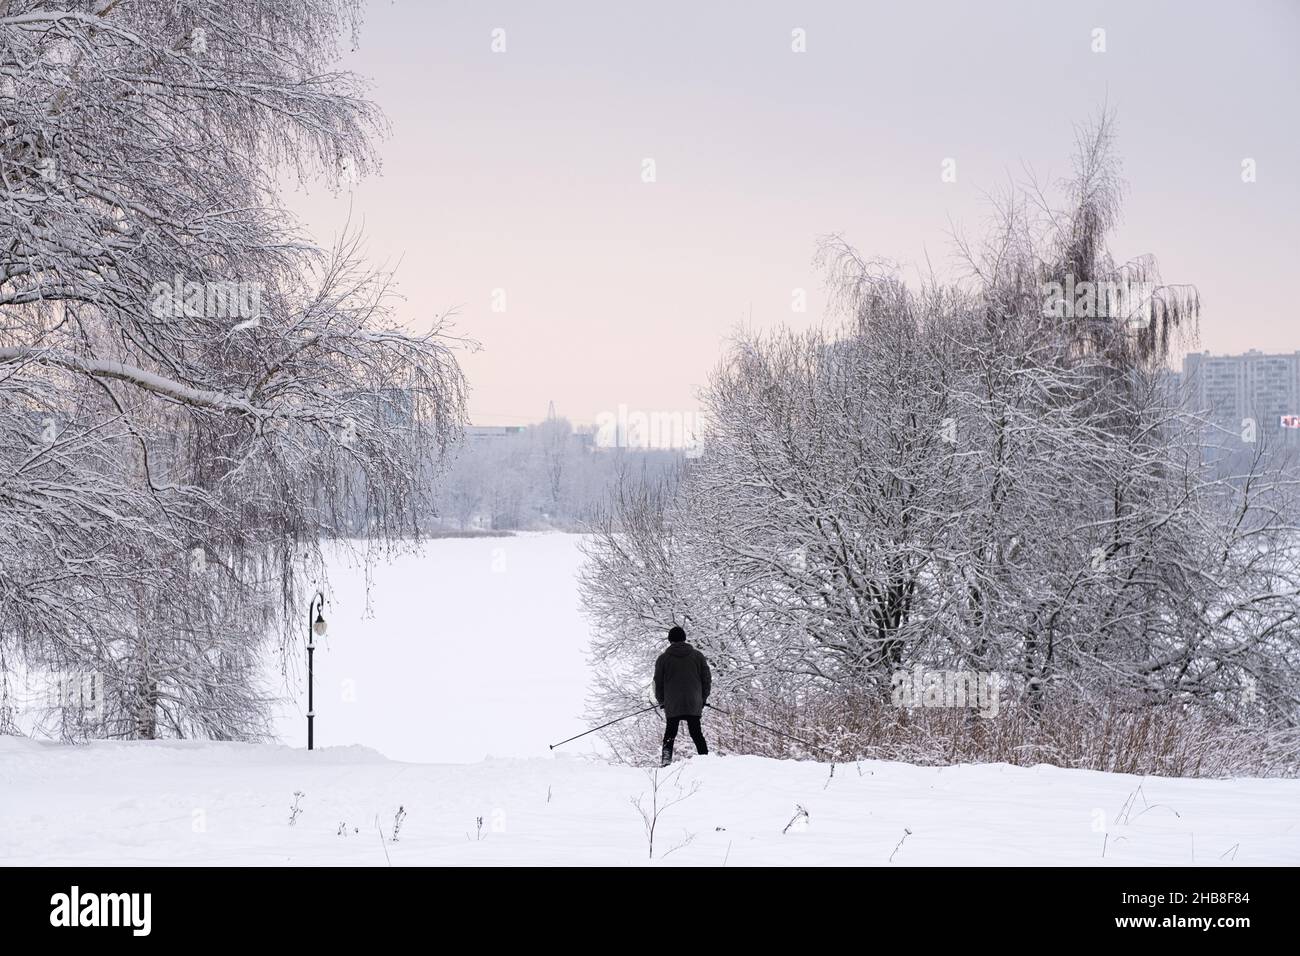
[(682, 684)]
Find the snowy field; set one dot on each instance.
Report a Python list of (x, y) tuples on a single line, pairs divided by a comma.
[(476, 650), (473, 648), (205, 803)]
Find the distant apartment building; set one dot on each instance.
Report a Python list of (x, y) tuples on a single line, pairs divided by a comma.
[(479, 433), (1235, 391), (583, 437)]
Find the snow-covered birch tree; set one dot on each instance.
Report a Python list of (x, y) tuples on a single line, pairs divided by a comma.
[(190, 390)]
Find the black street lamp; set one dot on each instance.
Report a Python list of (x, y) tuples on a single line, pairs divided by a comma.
[(315, 629)]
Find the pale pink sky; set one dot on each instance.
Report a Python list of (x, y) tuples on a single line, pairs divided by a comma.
[(521, 170)]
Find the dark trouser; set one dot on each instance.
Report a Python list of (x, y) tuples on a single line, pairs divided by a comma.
[(670, 735)]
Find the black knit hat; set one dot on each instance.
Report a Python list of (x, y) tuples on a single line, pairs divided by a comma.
[(676, 634)]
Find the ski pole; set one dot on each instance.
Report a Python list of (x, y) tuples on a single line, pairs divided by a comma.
[(770, 730), (603, 726)]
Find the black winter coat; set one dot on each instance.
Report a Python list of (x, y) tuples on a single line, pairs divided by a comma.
[(682, 681)]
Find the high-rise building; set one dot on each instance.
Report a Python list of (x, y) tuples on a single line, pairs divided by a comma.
[(1238, 391)]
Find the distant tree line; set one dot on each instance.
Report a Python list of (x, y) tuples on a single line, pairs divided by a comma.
[(545, 476)]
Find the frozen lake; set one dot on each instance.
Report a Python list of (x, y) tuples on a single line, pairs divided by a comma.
[(473, 648)]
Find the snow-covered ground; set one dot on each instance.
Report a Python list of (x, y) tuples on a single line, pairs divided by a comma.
[(476, 647), (206, 803)]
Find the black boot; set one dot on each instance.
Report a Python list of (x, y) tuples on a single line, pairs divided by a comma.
[(667, 755)]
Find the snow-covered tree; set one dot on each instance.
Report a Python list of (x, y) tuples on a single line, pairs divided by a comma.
[(190, 391), (973, 478)]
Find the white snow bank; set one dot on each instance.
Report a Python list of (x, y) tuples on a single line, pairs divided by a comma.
[(211, 803)]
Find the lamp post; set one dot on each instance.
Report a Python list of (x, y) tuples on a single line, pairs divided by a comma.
[(315, 629)]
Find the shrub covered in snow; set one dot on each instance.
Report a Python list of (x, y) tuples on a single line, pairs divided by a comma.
[(971, 479)]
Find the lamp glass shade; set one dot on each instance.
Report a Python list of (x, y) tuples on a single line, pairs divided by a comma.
[(319, 627)]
